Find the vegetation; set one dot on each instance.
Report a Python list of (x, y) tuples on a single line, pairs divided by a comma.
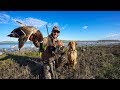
[(94, 62)]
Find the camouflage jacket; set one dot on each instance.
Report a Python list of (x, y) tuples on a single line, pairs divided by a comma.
[(50, 42)]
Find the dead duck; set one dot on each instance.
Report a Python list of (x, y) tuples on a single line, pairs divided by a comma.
[(23, 33)]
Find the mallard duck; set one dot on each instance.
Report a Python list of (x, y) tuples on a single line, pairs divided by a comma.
[(23, 33)]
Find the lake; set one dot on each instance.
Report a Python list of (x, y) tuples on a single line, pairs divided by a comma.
[(14, 46), (31, 45)]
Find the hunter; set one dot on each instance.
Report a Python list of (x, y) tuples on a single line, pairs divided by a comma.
[(51, 43)]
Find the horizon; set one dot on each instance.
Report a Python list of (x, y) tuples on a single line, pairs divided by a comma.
[(74, 25), (68, 40)]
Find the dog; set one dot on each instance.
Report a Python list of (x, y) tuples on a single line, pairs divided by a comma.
[(72, 54)]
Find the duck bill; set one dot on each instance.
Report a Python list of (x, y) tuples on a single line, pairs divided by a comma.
[(13, 35)]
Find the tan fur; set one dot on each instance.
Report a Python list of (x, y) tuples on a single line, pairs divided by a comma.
[(72, 54)]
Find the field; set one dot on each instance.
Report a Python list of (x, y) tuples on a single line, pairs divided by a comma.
[(94, 62)]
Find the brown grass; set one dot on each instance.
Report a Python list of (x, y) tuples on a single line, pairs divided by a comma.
[(94, 62)]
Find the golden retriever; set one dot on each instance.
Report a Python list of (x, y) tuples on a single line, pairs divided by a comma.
[(72, 54)]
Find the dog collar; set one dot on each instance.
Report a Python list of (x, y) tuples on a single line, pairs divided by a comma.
[(73, 50)]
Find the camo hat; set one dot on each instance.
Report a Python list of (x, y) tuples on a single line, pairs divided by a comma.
[(56, 28)]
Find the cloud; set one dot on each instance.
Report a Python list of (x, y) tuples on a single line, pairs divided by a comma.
[(85, 27), (115, 36), (63, 27), (49, 25), (4, 18), (35, 22), (55, 24), (31, 21)]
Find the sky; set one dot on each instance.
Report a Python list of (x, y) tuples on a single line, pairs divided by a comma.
[(74, 25)]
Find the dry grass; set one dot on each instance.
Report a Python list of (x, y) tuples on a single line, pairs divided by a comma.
[(20, 66), (94, 62)]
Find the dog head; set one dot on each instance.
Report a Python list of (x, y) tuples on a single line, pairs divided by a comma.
[(72, 45)]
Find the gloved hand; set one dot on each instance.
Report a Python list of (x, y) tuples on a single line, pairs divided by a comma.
[(60, 43), (41, 48)]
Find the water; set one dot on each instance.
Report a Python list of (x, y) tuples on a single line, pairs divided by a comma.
[(14, 46), (95, 43), (31, 45)]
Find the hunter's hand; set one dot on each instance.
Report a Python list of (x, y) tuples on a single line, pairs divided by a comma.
[(60, 43)]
